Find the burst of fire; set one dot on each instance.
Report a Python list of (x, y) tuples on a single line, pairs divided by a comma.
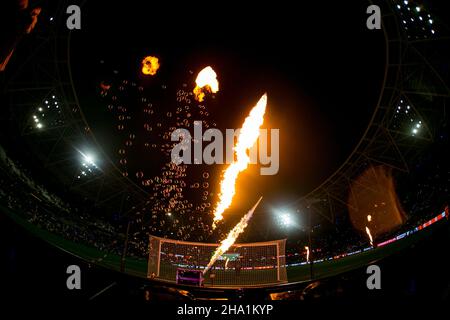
[(232, 236), (150, 65), (307, 253), (370, 236), (248, 135), (206, 82), (104, 86)]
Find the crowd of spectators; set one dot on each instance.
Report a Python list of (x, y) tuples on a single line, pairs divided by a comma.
[(23, 196)]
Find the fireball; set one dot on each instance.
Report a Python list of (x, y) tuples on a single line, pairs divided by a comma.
[(206, 82), (150, 65)]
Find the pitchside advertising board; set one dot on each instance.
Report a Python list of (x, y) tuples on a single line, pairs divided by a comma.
[(229, 257)]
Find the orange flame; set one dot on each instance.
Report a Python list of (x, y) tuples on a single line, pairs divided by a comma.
[(206, 82), (369, 218), (248, 135), (226, 263), (370, 236), (150, 65), (232, 236), (307, 253)]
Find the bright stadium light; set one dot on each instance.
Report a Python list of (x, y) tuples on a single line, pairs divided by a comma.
[(416, 128), (88, 160), (88, 165), (285, 219)]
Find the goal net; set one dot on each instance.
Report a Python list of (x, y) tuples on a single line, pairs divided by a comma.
[(244, 264)]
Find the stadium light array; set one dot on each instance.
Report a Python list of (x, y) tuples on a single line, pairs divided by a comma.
[(37, 122), (88, 165), (88, 158), (285, 219), (416, 128), (48, 110), (416, 21)]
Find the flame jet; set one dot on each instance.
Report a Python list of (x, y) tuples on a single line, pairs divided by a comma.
[(206, 81), (248, 135), (232, 236)]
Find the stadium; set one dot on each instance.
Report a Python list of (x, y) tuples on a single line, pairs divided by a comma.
[(87, 177)]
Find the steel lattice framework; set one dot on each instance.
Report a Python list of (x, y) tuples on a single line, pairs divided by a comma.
[(410, 78), (47, 73)]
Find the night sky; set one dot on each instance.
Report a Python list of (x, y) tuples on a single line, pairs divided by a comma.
[(322, 70)]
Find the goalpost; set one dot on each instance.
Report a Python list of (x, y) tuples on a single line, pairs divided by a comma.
[(244, 264)]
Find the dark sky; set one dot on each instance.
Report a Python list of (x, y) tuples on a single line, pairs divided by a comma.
[(321, 67)]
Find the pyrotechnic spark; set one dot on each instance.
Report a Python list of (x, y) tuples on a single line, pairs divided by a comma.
[(307, 253), (248, 135), (226, 263), (150, 65), (206, 81), (370, 236), (369, 218), (232, 236)]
